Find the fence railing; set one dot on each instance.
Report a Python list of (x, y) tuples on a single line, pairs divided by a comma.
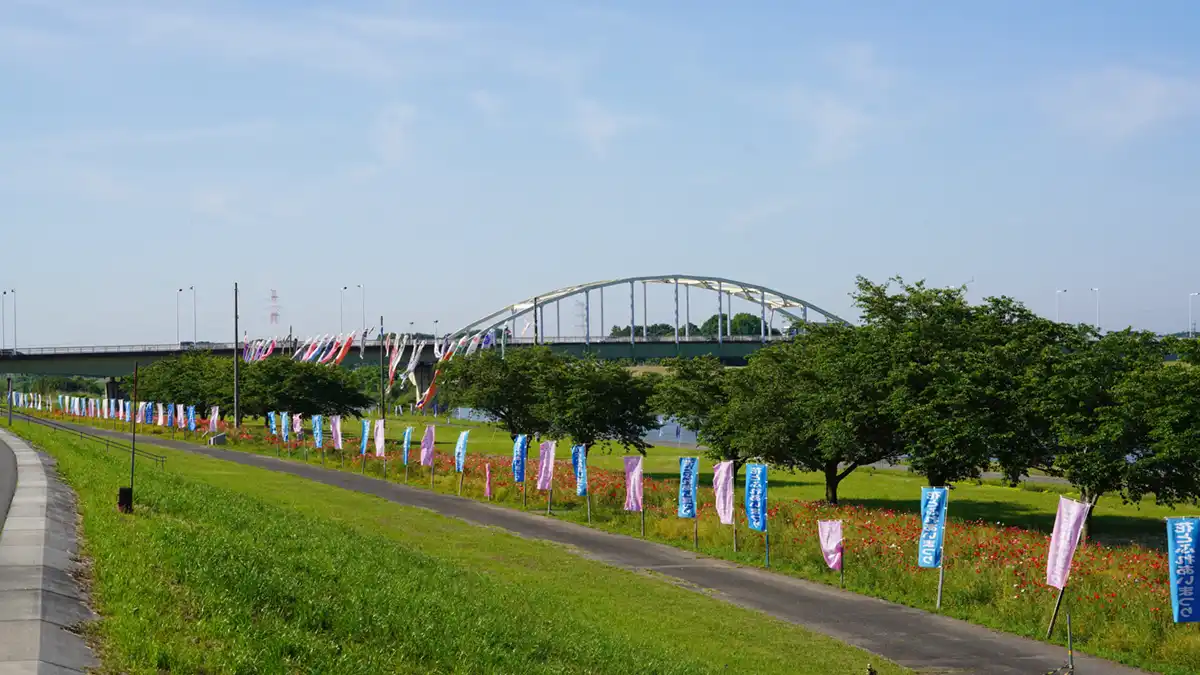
[(159, 461)]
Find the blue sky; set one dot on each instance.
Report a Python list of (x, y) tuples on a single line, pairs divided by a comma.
[(455, 157)]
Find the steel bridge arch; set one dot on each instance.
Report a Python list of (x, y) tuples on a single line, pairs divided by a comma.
[(768, 298)]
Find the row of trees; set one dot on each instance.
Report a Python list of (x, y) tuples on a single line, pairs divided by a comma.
[(741, 324), (957, 389), (954, 389), (536, 392), (274, 384)]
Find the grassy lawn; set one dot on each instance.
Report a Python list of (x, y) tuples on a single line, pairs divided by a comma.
[(226, 568)]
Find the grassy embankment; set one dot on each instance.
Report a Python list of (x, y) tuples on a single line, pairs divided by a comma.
[(1118, 596), (225, 568)]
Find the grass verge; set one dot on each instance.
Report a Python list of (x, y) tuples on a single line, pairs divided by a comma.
[(225, 568)]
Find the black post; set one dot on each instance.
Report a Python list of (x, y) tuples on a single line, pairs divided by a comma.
[(536, 331), (125, 496), (10, 401), (236, 357), (382, 372)]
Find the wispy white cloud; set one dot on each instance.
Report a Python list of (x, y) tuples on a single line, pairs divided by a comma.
[(598, 127), (857, 64), (108, 139), (1118, 104), (391, 136), (842, 115), (487, 103), (838, 126), (761, 212), (363, 44)]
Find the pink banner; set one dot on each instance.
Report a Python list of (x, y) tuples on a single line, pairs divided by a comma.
[(162, 419), (297, 423), (335, 426), (829, 532), (487, 481), (379, 438), (212, 419), (180, 416), (427, 446), (1068, 524), (723, 487), (545, 479), (633, 483)]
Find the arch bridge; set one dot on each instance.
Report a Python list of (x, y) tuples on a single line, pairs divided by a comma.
[(681, 342), (118, 360)]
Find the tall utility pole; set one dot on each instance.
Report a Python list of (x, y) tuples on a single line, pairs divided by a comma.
[(1058, 305), (1191, 324), (177, 294), (14, 294), (382, 371), (1097, 292), (341, 308), (237, 356), (193, 290), (3, 312), (363, 288)]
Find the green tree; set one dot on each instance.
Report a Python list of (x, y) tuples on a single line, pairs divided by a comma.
[(936, 395), (304, 388), (509, 389), (695, 392), (589, 401), (1101, 420)]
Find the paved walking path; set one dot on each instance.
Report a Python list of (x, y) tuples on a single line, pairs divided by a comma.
[(926, 642), (40, 601)]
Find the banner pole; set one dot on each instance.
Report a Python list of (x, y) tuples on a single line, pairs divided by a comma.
[(1054, 616), (406, 474), (432, 469), (767, 539), (642, 511), (696, 532), (549, 498), (461, 475), (1070, 646), (941, 581), (525, 494), (589, 506)]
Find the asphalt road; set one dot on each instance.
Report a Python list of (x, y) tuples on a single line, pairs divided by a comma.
[(914, 638)]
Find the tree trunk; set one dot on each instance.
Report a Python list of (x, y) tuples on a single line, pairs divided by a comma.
[(831, 482), (1087, 520), (936, 480)]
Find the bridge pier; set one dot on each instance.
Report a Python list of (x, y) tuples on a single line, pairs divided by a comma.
[(113, 388)]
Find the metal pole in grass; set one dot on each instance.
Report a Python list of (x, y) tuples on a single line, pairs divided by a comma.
[(406, 473), (696, 532), (767, 540), (10, 397), (941, 582), (589, 506), (525, 494), (432, 470), (461, 475), (1070, 646), (1057, 606), (549, 498), (642, 511)]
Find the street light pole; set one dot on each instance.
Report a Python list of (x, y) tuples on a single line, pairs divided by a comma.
[(14, 294), (364, 309), (341, 308), (1191, 324), (1097, 292), (177, 294), (1058, 305), (193, 290), (3, 311)]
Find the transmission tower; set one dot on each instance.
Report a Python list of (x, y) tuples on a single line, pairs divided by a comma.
[(274, 308)]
